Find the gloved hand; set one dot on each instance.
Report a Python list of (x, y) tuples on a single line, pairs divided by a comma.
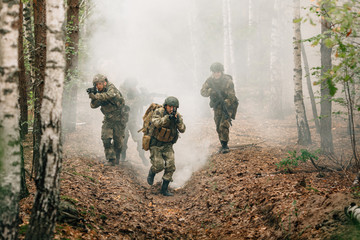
[(212, 92), (92, 96)]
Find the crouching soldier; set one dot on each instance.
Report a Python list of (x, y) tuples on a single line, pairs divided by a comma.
[(106, 96), (167, 124)]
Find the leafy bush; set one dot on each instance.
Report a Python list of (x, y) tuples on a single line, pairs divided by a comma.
[(292, 160)]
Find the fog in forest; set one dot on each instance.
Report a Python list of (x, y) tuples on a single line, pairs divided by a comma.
[(168, 46)]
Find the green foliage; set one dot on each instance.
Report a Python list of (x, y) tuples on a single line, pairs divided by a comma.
[(292, 160), (69, 199), (341, 37)]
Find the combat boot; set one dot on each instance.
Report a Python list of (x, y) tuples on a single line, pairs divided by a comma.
[(150, 177), (123, 156), (117, 160), (164, 188), (111, 162), (224, 147)]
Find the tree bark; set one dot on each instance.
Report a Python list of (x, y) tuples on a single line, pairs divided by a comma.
[(250, 44), (229, 60), (304, 137), (226, 36), (275, 65), (38, 87), (22, 99), (72, 53), (325, 106), (43, 216), (9, 121), (194, 43), (30, 39), (22, 78), (309, 86)]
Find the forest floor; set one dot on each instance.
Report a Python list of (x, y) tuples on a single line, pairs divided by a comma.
[(238, 195)]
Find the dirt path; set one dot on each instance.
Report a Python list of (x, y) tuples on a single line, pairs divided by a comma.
[(239, 195)]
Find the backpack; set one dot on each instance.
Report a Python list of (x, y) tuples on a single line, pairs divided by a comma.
[(148, 128)]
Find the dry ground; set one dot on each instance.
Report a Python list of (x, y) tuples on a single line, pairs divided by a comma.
[(239, 195)]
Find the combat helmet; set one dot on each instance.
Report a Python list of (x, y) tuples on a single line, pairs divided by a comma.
[(171, 101), (217, 67), (99, 78)]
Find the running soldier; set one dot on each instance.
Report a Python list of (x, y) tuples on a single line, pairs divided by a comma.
[(167, 123), (106, 96), (135, 101), (220, 88)]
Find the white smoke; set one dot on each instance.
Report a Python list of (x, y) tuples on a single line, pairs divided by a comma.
[(150, 40)]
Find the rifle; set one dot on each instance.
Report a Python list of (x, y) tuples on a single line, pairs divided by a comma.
[(92, 90), (221, 101), (172, 115)]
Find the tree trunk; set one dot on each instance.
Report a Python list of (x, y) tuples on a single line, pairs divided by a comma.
[(304, 137), (226, 37), (22, 78), (9, 121), (43, 216), (309, 86), (325, 106), (38, 87), (193, 40), (30, 41), (72, 75), (250, 44), (357, 102), (22, 100), (275, 65), (232, 70)]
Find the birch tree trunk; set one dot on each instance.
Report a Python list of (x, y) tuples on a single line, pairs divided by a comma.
[(275, 65), (22, 78), (30, 39), (22, 99), (43, 216), (9, 121), (193, 41), (39, 68), (231, 41), (310, 90), (250, 45), (357, 102), (226, 36), (325, 106), (72, 75), (304, 137)]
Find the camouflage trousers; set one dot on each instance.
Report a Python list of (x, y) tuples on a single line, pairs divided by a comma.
[(132, 129), (112, 135), (163, 158), (222, 124)]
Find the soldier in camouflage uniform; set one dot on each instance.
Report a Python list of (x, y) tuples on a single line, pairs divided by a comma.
[(135, 102), (220, 88), (167, 123), (112, 105)]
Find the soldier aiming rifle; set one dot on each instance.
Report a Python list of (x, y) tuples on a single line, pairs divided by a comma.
[(220, 88)]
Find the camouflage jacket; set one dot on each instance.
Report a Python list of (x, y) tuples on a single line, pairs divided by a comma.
[(224, 86), (134, 100), (160, 119), (110, 101)]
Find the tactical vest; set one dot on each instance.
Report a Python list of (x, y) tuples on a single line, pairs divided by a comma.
[(166, 134)]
